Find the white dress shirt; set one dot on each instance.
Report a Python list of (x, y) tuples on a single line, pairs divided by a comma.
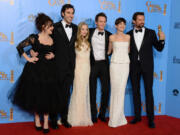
[(67, 30), (98, 45), (138, 37)]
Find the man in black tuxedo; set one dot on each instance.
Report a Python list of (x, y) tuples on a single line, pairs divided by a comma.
[(64, 37), (99, 39), (141, 56)]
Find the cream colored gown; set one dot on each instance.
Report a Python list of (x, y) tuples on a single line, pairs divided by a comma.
[(79, 109), (119, 71)]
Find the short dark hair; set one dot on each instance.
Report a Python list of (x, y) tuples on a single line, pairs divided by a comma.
[(136, 14), (42, 19), (119, 20), (66, 6), (100, 14)]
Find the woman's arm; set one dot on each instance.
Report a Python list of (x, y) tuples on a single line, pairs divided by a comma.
[(129, 37), (26, 42), (110, 47)]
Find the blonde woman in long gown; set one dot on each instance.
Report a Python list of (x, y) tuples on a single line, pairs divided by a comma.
[(79, 108), (119, 71)]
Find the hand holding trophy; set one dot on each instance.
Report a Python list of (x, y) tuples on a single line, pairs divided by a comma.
[(160, 33)]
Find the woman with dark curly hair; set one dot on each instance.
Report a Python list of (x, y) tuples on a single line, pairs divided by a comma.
[(37, 89)]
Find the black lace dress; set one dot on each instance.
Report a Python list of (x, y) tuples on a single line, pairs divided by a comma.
[(37, 89)]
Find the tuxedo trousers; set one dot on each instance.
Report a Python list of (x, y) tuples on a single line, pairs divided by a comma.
[(65, 87), (100, 69), (136, 71)]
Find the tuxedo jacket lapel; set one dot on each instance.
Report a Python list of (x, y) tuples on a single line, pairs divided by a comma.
[(73, 34), (106, 42), (62, 31), (133, 40), (91, 35), (144, 38), (143, 41), (106, 39)]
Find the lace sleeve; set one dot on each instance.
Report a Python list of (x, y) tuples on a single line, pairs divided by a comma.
[(26, 42)]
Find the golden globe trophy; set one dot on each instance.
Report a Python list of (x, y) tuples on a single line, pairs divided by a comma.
[(119, 6), (161, 75), (159, 110), (12, 38), (11, 114), (165, 7), (11, 2), (159, 29), (12, 76)]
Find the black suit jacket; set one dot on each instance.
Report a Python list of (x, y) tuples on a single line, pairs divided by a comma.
[(64, 50), (146, 51), (107, 34)]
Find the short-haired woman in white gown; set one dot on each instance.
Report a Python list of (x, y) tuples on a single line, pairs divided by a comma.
[(119, 71)]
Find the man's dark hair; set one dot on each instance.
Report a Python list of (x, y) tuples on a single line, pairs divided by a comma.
[(136, 14), (100, 14), (66, 6), (119, 20)]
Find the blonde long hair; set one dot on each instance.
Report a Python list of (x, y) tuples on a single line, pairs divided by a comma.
[(81, 39)]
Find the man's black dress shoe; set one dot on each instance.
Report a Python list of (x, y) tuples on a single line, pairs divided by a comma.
[(135, 120), (103, 119), (94, 120), (66, 124), (151, 124), (54, 125)]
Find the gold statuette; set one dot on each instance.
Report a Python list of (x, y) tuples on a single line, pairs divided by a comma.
[(165, 8), (161, 75), (119, 6), (11, 114), (159, 30), (12, 38), (12, 76), (159, 110)]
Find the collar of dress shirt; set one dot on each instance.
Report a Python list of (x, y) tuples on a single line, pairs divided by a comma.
[(143, 29), (64, 23), (96, 30)]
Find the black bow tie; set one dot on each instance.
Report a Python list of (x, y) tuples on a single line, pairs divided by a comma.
[(140, 30), (100, 33), (68, 25)]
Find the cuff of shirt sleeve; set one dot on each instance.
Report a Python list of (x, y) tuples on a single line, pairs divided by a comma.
[(162, 41)]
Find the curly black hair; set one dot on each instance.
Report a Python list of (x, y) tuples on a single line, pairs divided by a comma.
[(42, 19)]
